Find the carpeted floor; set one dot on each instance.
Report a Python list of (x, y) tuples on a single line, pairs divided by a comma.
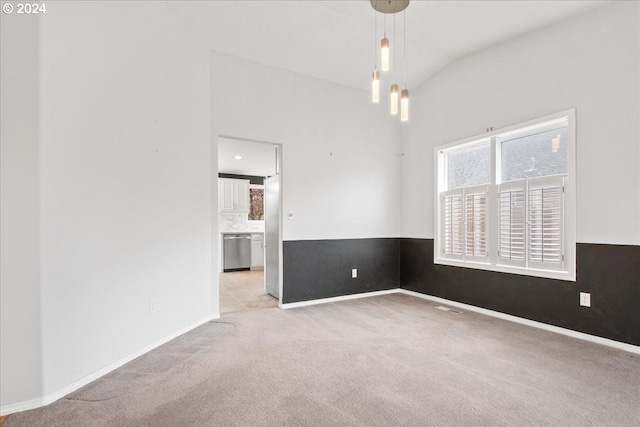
[(381, 361)]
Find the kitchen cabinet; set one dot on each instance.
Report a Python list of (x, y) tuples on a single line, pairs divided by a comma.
[(257, 251), (233, 195)]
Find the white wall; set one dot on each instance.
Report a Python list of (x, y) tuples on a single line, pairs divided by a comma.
[(125, 183), (590, 62), (20, 330), (340, 151)]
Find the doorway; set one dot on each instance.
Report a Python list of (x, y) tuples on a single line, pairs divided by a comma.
[(249, 210)]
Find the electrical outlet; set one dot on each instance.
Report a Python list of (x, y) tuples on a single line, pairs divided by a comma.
[(585, 299), (153, 305), (354, 273)]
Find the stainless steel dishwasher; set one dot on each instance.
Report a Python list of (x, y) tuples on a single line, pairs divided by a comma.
[(237, 252)]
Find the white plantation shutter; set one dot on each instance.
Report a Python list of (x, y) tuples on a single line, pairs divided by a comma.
[(465, 230), (453, 224), (513, 216), (546, 223), (531, 223), (476, 226)]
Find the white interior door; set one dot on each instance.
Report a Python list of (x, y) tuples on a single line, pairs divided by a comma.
[(272, 221)]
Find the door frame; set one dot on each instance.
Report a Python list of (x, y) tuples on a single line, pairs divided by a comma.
[(279, 170)]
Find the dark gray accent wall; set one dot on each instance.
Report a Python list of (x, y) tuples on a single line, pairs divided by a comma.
[(314, 269), (611, 273)]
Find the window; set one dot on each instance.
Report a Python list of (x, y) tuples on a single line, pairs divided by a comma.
[(256, 203), (469, 166), (506, 202)]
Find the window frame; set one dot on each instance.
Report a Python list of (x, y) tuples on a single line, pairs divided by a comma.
[(495, 138)]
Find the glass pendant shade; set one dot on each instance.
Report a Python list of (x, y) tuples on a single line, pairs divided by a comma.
[(404, 105), (375, 86), (384, 54), (394, 99)]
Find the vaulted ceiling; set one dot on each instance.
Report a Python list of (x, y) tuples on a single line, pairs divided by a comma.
[(334, 40)]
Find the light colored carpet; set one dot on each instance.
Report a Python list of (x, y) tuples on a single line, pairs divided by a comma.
[(380, 361)]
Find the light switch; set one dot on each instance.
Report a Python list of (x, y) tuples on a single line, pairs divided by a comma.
[(290, 215)]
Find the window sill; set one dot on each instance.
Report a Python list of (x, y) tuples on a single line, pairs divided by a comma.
[(547, 274)]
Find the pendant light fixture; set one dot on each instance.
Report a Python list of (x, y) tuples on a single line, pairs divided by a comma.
[(404, 104), (384, 54), (397, 100), (375, 81), (384, 49), (375, 86), (404, 95), (393, 99)]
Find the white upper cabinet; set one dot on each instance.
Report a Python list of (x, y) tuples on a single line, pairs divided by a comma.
[(233, 195)]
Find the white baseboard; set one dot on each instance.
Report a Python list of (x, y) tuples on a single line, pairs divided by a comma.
[(558, 330), (335, 299), (12, 408)]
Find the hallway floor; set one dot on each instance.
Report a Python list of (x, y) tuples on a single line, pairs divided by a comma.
[(244, 290)]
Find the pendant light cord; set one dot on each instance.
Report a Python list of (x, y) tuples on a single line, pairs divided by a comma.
[(394, 47), (375, 39), (404, 44)]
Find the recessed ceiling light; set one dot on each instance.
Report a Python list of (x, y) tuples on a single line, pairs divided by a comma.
[(238, 157)]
